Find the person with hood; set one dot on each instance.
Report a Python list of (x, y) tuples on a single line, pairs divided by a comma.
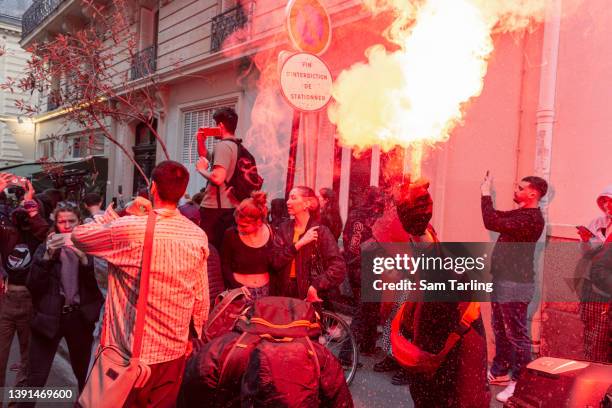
[(358, 230), (330, 211), (22, 229), (406, 219), (443, 351), (593, 237), (595, 300)]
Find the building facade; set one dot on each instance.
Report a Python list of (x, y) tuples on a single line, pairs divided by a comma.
[(16, 131)]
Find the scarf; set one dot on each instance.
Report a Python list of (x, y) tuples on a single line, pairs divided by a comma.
[(69, 271)]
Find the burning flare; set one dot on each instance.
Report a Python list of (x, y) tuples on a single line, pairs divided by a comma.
[(414, 96)]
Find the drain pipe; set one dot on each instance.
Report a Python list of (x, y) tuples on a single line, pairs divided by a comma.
[(545, 120)]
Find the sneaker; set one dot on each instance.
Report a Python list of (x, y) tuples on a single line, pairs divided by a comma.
[(401, 378), (388, 364), (508, 392), (498, 379)]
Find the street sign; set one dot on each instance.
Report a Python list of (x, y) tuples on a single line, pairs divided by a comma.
[(306, 82), (309, 26)]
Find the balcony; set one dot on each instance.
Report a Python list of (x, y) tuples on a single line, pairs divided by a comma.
[(144, 63), (36, 14), (224, 24)]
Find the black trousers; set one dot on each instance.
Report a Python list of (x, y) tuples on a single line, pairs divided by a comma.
[(364, 325), (79, 337), (214, 222)]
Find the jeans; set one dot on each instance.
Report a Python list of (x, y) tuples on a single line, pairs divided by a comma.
[(509, 302), (15, 317), (258, 293)]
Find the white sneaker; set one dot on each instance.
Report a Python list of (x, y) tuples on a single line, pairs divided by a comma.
[(508, 392), (498, 379)]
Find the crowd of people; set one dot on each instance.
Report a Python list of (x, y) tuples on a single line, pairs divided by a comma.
[(61, 262)]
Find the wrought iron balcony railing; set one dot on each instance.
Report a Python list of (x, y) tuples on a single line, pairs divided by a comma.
[(144, 63), (224, 24), (36, 14)]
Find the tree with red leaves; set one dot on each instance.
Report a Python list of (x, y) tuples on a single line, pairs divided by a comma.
[(97, 84)]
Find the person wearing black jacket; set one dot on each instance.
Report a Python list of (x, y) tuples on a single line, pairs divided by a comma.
[(304, 252), (66, 299), (330, 212), (357, 231), (513, 277), (22, 229)]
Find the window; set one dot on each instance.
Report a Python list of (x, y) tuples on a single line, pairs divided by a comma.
[(193, 120), (46, 149), (84, 146), (148, 27), (54, 96), (145, 61)]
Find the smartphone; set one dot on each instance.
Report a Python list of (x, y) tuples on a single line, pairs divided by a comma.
[(202, 134), (66, 237), (19, 181)]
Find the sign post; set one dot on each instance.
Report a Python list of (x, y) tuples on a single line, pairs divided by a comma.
[(305, 78)]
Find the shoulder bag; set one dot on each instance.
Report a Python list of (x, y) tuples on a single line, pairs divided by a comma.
[(114, 373)]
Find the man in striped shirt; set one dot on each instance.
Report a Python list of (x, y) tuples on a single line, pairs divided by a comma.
[(178, 282)]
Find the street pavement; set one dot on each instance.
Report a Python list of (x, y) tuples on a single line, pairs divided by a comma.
[(369, 389), (374, 390)]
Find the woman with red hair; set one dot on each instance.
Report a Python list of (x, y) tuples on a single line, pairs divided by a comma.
[(247, 248)]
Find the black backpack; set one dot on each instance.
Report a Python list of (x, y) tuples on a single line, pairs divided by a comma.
[(267, 360), (245, 178)]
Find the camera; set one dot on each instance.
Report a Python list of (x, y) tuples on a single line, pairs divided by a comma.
[(73, 181)]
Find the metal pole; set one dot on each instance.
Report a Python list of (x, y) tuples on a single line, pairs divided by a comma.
[(295, 131)]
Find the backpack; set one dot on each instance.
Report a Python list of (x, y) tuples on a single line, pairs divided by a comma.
[(229, 305), (245, 178), (275, 356), (268, 360)]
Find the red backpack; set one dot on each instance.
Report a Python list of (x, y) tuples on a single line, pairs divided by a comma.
[(229, 306)]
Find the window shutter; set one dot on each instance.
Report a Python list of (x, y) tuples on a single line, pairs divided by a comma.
[(147, 27)]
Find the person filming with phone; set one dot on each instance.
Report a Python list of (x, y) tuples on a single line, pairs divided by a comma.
[(22, 229), (66, 300), (595, 310), (217, 207)]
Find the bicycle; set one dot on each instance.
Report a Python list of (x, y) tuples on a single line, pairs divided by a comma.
[(337, 337)]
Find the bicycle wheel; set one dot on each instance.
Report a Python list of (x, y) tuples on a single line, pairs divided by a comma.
[(337, 337)]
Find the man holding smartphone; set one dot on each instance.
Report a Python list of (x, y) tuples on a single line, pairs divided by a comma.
[(595, 310), (513, 277)]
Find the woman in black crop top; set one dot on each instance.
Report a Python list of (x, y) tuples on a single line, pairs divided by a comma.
[(246, 249)]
